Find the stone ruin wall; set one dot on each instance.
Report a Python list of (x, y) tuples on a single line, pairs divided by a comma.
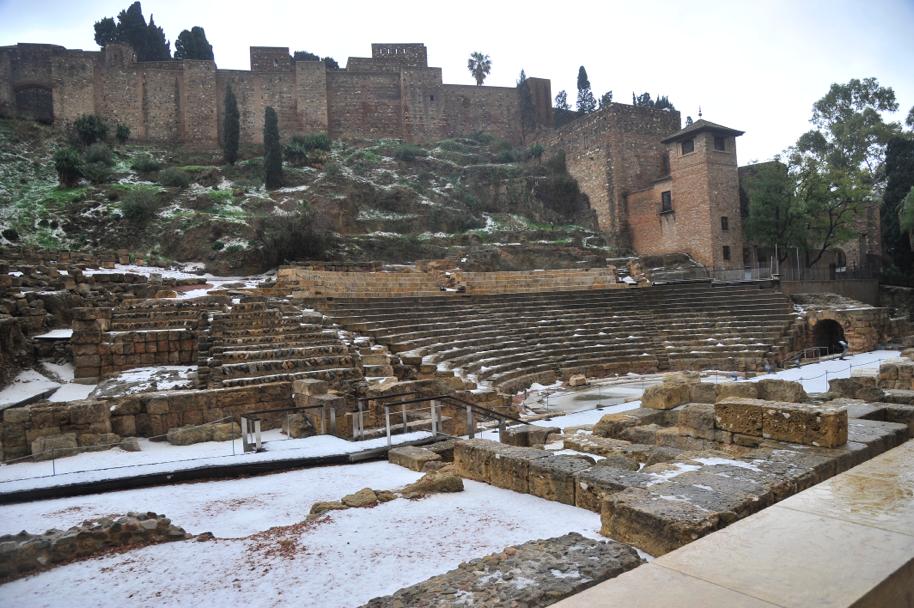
[(393, 94)]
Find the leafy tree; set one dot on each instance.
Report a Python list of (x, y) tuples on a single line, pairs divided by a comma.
[(841, 163), (305, 56), (331, 63), (479, 65), (147, 40), (899, 168), (663, 103), (775, 217), (586, 102), (231, 127), (272, 151), (527, 110), (909, 121), (906, 215), (643, 101), (688, 121), (606, 99), (193, 44), (561, 101), (68, 165), (850, 132)]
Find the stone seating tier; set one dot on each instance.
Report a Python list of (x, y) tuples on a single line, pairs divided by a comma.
[(507, 339)]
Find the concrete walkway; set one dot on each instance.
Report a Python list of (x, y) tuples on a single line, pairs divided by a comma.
[(848, 541)]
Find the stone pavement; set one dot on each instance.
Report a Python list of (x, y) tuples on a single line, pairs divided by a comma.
[(848, 541)]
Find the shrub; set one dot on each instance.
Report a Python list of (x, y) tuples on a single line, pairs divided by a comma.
[(535, 151), (69, 166), (295, 237), (482, 138), (301, 149), (140, 206), (90, 128), (408, 152), (97, 172), (556, 162), (333, 171), (122, 133), (506, 156), (174, 177), (145, 163), (100, 152)]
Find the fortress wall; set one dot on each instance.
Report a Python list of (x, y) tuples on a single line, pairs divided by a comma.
[(424, 117), (612, 152), (366, 64), (495, 110), (198, 102), (361, 104), (74, 84), (119, 94), (254, 92), (7, 99), (161, 101), (311, 94), (586, 146)]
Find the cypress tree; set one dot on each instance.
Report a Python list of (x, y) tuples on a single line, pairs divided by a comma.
[(586, 102), (193, 44), (231, 127), (272, 152), (527, 110), (899, 169)]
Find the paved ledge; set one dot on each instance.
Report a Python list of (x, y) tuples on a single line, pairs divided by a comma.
[(847, 542)]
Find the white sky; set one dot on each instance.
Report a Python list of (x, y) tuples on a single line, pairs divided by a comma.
[(755, 65)]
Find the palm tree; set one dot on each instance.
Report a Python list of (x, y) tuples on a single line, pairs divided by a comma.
[(479, 65)]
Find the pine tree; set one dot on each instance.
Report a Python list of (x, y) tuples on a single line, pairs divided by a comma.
[(586, 102), (148, 41), (157, 46), (688, 121), (272, 151), (231, 127), (193, 45), (606, 99), (561, 101), (105, 31)]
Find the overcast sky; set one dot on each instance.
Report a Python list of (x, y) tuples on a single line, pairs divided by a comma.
[(756, 66)]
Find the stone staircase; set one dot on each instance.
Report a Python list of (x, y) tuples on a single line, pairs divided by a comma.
[(511, 341), (258, 342)]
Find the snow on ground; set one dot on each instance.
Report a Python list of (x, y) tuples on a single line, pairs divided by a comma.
[(55, 334), (344, 559), (814, 377), (25, 385), (72, 392), (158, 457), (63, 371), (189, 271)]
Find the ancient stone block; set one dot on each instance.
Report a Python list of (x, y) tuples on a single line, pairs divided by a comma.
[(189, 435), (727, 390), (526, 435), (577, 380), (54, 446), (739, 415), (665, 396), (363, 498), (510, 467), (309, 386), (594, 484), (702, 392), (653, 523), (412, 457), (434, 482), (473, 457), (225, 431), (612, 425), (553, 478), (297, 425), (771, 389), (812, 425)]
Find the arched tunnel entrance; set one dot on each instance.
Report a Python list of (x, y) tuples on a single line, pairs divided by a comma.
[(827, 333)]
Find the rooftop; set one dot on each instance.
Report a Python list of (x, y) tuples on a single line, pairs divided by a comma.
[(699, 126)]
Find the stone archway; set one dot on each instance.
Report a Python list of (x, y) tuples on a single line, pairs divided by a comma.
[(827, 333)]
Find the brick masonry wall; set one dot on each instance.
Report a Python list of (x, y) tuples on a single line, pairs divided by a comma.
[(362, 104), (495, 110)]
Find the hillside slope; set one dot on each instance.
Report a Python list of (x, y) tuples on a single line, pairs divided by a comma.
[(474, 198)]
